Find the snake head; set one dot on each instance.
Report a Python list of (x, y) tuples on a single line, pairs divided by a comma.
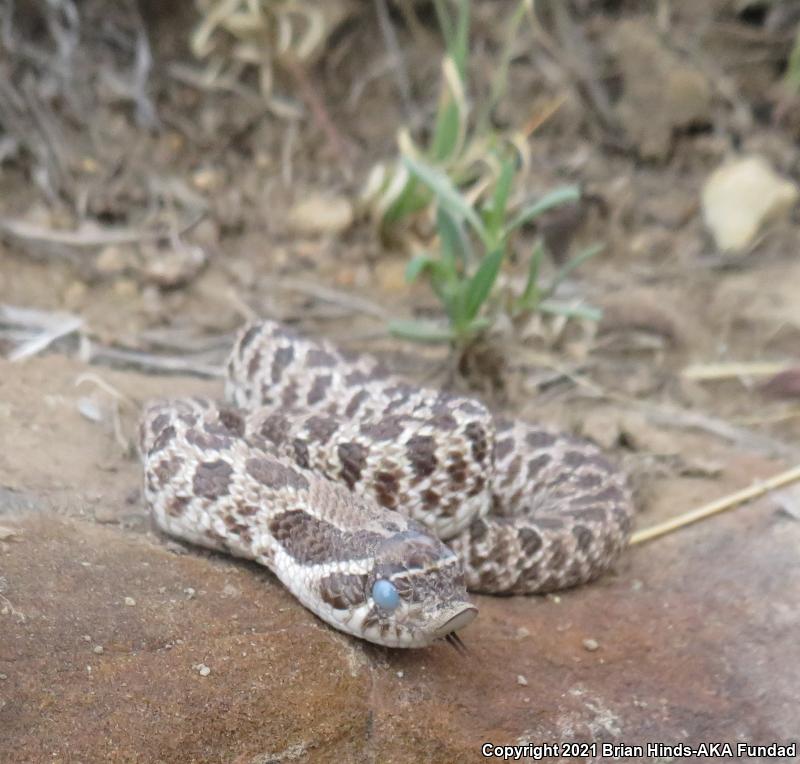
[(413, 594)]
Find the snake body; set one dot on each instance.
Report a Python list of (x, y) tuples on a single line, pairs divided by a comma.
[(376, 502)]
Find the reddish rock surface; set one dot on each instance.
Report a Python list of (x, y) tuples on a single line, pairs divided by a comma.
[(694, 638)]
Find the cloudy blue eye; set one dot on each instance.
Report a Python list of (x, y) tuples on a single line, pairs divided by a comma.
[(385, 594)]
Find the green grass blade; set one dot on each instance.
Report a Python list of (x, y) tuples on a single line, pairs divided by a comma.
[(585, 312), (481, 283), (571, 265), (498, 203), (530, 295), (421, 331), (450, 128), (548, 201), (456, 245), (446, 193), (460, 49)]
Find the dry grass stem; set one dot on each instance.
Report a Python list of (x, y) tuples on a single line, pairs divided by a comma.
[(720, 505)]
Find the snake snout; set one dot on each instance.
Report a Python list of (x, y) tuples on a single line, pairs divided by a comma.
[(453, 621)]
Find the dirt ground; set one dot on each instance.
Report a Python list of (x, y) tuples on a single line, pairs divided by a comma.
[(106, 627)]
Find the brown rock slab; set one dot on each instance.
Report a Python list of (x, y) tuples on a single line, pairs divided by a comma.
[(692, 639)]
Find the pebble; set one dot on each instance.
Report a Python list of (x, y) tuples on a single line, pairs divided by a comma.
[(115, 259), (522, 632), (740, 197), (189, 592), (522, 681), (3, 676), (130, 601), (7, 533), (321, 214), (97, 649), (203, 670), (87, 638), (591, 644)]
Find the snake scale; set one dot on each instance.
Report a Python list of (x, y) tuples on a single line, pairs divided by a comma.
[(377, 503)]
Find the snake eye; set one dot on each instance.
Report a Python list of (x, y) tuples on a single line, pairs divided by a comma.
[(385, 594)]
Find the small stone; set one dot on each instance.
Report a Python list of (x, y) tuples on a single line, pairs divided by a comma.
[(523, 633), (106, 515), (591, 644), (321, 214), (740, 197), (167, 267), (7, 533), (229, 590), (522, 681), (115, 259), (3, 676), (400, 674), (97, 649), (130, 601), (202, 669), (87, 638), (189, 592), (207, 179)]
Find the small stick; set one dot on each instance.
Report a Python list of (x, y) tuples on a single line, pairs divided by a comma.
[(713, 371), (759, 488)]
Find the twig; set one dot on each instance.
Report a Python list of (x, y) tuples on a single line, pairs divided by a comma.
[(349, 301), (149, 362), (52, 326), (720, 505), (714, 371), (86, 235)]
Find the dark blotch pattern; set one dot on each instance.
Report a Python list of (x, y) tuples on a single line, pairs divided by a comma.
[(164, 437), (421, 452), (457, 469), (274, 428), (318, 389), (317, 357), (353, 457), (208, 440), (530, 541), (311, 541), (301, 455), (355, 403), (247, 338), (343, 590), (386, 428), (273, 474), (477, 441), (254, 364), (583, 536), (282, 358), (159, 423), (232, 420), (386, 487), (502, 448), (212, 479), (320, 428), (177, 505)]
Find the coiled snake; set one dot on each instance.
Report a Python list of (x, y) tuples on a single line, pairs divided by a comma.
[(346, 482)]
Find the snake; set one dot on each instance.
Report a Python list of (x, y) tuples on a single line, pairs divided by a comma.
[(379, 504)]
